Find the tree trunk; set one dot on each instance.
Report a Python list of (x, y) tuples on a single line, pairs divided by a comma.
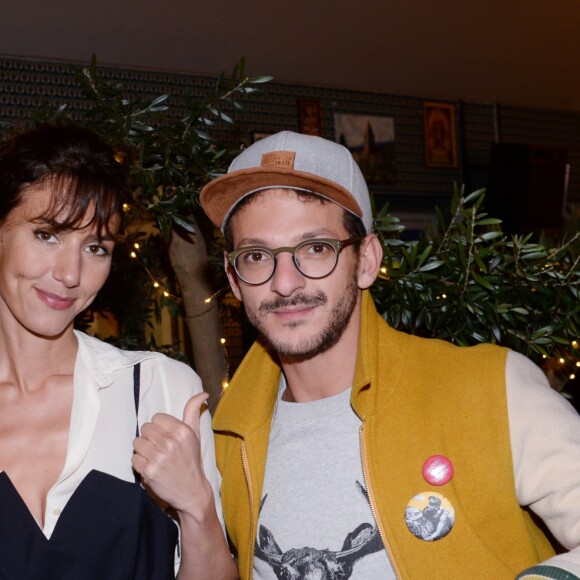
[(188, 255)]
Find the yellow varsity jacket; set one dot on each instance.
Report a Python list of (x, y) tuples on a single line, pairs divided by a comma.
[(415, 398)]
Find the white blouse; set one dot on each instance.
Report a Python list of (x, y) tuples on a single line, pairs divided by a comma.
[(102, 425)]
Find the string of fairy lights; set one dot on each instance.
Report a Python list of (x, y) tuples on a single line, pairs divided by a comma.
[(135, 254), (562, 361)]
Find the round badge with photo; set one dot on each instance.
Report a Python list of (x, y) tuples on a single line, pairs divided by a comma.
[(429, 516)]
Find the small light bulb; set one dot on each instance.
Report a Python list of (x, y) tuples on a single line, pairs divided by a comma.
[(223, 340), (572, 376), (155, 284), (165, 293), (225, 385), (561, 360), (207, 300), (133, 255), (136, 245)]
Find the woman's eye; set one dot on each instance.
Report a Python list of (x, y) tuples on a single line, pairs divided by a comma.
[(44, 236), (98, 250)]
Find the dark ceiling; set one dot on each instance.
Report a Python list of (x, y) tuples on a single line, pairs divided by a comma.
[(515, 52)]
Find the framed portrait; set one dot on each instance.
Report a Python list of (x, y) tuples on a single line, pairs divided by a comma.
[(310, 117), (440, 134)]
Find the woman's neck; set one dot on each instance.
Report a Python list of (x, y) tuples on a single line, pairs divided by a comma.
[(28, 360)]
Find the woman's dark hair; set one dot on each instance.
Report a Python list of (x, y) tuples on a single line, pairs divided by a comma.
[(79, 167)]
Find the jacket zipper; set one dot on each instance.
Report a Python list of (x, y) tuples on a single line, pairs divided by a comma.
[(372, 503), (251, 494)]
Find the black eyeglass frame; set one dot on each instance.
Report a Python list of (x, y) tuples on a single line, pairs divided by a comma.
[(338, 246)]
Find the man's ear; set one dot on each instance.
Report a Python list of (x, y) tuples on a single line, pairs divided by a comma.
[(370, 258), (232, 278)]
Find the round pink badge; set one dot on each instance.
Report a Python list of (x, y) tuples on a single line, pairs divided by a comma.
[(438, 470)]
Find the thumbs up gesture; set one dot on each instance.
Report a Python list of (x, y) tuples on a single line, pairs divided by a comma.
[(168, 458)]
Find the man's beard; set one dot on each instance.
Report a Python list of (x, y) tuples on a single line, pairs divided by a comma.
[(324, 340)]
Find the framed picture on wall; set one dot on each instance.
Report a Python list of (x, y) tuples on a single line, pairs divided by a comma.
[(440, 134), (310, 117), (371, 140)]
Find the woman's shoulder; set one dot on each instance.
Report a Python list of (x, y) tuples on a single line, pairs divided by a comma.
[(155, 365)]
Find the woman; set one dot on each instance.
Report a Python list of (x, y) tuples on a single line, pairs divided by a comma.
[(72, 504)]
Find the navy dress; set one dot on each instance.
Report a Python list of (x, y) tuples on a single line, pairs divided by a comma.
[(109, 529)]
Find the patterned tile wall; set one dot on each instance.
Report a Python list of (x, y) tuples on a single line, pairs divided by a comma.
[(25, 84)]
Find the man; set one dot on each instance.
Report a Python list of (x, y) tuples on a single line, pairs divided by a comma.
[(331, 428)]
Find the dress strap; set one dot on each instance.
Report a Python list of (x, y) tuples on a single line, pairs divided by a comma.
[(136, 391)]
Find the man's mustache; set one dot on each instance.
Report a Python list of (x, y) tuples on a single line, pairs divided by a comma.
[(317, 299)]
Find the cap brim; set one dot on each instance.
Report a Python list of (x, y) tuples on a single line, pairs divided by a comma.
[(221, 195)]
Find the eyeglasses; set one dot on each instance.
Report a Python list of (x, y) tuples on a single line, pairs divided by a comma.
[(313, 258)]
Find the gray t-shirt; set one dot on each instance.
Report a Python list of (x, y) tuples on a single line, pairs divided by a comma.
[(315, 518)]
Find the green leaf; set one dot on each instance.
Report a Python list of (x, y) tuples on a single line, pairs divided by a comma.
[(424, 254), (184, 223), (431, 265), (488, 236), (533, 256), (488, 222), (261, 79), (482, 281), (474, 196)]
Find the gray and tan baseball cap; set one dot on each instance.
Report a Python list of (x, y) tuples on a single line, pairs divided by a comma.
[(294, 161)]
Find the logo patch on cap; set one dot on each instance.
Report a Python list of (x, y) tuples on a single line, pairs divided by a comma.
[(283, 159)]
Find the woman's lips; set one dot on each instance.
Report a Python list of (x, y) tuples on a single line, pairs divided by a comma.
[(54, 301)]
